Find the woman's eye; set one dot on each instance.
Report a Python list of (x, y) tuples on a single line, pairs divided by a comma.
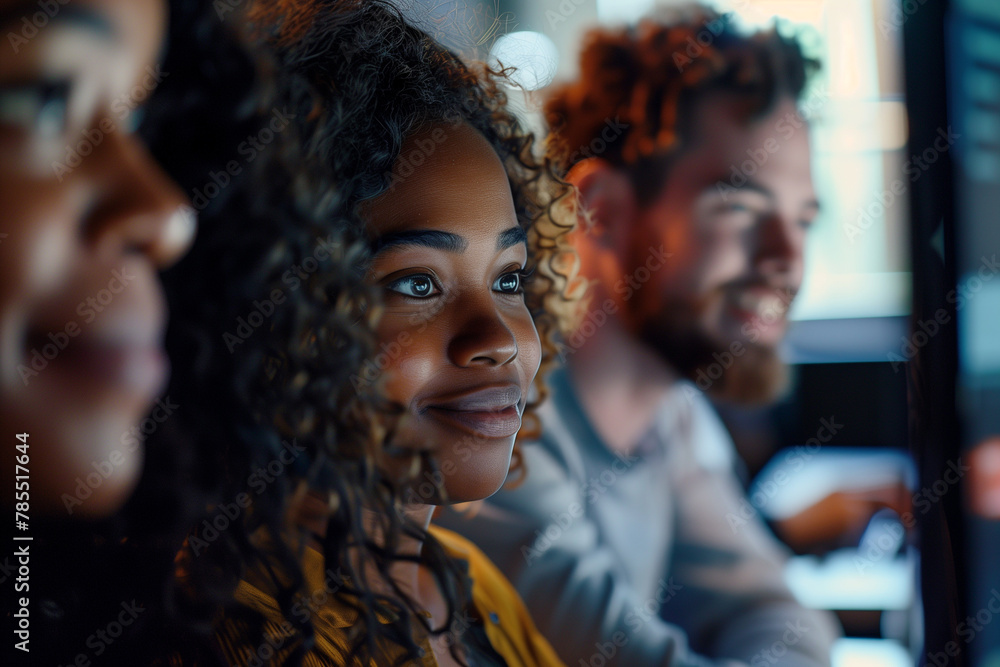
[(419, 286), (508, 283), (38, 108)]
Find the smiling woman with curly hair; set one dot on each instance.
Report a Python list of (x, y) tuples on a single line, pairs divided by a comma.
[(467, 230)]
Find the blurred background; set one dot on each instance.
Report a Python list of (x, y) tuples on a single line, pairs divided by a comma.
[(880, 468)]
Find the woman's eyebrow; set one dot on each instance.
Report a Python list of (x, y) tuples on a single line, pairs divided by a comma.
[(511, 237), (433, 238), (426, 238), (66, 14)]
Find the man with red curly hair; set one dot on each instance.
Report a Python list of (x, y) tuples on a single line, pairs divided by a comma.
[(692, 160)]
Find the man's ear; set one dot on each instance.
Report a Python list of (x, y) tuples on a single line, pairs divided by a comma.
[(607, 195)]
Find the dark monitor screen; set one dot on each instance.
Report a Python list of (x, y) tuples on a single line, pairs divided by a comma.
[(952, 54)]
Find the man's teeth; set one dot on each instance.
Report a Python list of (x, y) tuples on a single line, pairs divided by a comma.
[(759, 303)]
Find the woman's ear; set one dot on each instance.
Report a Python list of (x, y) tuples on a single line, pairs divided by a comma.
[(607, 198)]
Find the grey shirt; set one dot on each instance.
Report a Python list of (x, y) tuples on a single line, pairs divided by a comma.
[(645, 559)]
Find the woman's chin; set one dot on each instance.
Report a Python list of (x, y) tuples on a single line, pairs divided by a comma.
[(96, 473), (478, 489)]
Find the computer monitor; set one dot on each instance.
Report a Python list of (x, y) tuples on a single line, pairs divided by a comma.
[(952, 57)]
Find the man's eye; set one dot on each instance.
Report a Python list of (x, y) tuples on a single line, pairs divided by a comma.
[(37, 108), (419, 286), (739, 213), (509, 283)]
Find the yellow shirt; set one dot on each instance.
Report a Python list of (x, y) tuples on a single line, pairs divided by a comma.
[(507, 624)]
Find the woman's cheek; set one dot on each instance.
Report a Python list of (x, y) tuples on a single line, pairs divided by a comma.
[(529, 348), (404, 362)]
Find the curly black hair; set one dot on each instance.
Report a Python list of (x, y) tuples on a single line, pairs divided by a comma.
[(646, 80), (378, 79), (272, 316)]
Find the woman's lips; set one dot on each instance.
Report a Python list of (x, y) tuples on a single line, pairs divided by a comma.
[(490, 412), (126, 367), (490, 424), (136, 368)]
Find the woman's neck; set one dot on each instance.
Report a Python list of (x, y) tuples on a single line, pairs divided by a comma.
[(405, 573), (414, 580)]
